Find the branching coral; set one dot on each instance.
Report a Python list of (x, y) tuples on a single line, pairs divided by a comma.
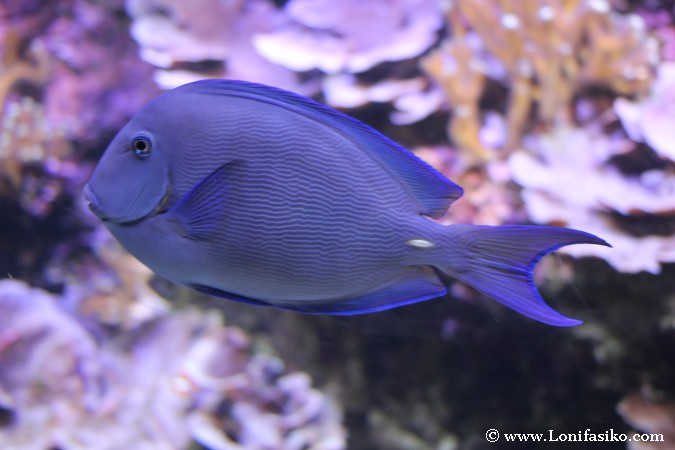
[(485, 200), (462, 81), (26, 143), (346, 40), (168, 380), (16, 68), (60, 87), (545, 52), (607, 184), (582, 189), (650, 119), (305, 46), (38, 170), (132, 375), (210, 38), (562, 63), (117, 292), (33, 331), (350, 36), (98, 81), (24, 134)]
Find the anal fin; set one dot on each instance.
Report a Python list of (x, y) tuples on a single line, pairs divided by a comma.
[(208, 290), (416, 284)]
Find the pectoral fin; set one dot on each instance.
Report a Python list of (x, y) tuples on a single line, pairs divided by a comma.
[(199, 212)]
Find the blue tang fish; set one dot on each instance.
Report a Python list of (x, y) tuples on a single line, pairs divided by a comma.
[(259, 195)]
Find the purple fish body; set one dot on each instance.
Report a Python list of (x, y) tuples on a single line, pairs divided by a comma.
[(260, 195)]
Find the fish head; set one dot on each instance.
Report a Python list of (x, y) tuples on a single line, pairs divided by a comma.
[(131, 182)]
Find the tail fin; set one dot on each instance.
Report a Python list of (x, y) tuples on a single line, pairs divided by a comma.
[(498, 261)]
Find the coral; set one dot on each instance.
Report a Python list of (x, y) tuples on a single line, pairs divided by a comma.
[(569, 179), (410, 97), (390, 435), (28, 144), (648, 415), (453, 67), (348, 40), (658, 17), (33, 331), (29, 68), (169, 380), (606, 183), (350, 36), (487, 198), (23, 131), (306, 46), (545, 52), (67, 80), (98, 81), (563, 64), (39, 174), (210, 38), (545, 55), (117, 292), (650, 118), (79, 56)]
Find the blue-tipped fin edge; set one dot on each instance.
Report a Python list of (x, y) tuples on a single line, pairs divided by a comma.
[(501, 260)]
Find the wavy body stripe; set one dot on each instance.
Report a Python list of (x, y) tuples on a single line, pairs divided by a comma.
[(308, 216)]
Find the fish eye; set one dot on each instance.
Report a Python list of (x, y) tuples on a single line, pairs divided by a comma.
[(141, 146)]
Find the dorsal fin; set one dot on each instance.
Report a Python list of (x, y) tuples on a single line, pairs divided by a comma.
[(433, 191)]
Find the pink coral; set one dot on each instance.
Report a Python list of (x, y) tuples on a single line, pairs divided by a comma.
[(168, 380), (351, 35), (651, 119), (177, 37), (98, 81), (567, 180)]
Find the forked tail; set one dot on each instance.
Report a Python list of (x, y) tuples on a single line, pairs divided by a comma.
[(498, 261)]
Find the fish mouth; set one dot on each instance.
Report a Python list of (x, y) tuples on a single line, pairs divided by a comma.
[(95, 207), (94, 203)]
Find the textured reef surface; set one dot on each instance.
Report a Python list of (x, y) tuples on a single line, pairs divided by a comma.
[(552, 112)]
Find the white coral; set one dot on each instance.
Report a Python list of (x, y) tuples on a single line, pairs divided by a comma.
[(172, 32), (651, 119), (566, 179), (159, 386), (351, 35)]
